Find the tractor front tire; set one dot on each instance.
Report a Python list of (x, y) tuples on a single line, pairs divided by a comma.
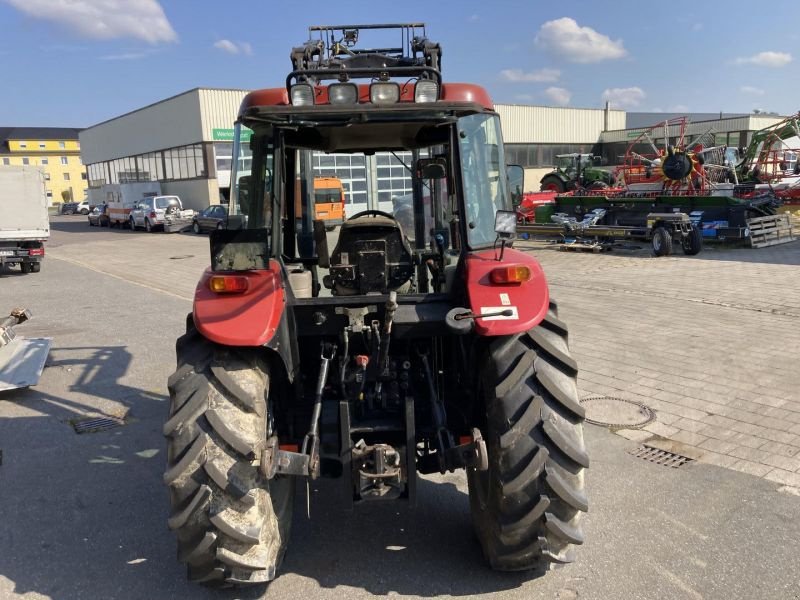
[(553, 183), (693, 242), (662, 242), (232, 524), (527, 506)]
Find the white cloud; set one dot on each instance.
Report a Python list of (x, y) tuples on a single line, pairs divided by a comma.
[(749, 89), (565, 38), (540, 76), (697, 27), (474, 18), (630, 97), (679, 108), (104, 19), (524, 97), (125, 56), (557, 95), (766, 59), (234, 47)]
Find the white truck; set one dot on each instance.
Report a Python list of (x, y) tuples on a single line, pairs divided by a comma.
[(24, 222)]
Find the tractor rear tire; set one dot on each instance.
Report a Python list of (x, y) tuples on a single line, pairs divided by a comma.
[(232, 524), (553, 183), (662, 242), (693, 243), (527, 506)]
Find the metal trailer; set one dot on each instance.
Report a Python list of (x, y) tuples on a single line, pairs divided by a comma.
[(662, 230)]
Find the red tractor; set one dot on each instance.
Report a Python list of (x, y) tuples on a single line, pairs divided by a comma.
[(379, 350)]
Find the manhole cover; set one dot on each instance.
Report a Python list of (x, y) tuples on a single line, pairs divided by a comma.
[(617, 413), (94, 424), (660, 457), (181, 256)]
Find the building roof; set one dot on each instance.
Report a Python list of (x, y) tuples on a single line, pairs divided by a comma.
[(38, 133)]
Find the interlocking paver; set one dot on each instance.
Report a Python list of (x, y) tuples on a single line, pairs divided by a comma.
[(721, 368), (784, 477)]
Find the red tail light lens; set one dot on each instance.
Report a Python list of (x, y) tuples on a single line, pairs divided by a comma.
[(228, 284), (510, 274), (36, 252), (153, 215)]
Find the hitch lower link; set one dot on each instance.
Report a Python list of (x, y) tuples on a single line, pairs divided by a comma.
[(276, 461)]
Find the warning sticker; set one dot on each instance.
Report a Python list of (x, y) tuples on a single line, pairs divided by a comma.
[(505, 300), (491, 310)]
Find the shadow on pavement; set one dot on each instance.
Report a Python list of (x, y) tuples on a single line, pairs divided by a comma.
[(85, 515), (427, 551)]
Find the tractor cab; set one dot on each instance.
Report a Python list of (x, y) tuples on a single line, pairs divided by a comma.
[(421, 158)]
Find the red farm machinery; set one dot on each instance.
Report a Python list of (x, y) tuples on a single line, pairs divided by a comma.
[(412, 339)]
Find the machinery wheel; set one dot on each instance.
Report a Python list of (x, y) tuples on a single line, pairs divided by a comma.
[(36, 267), (196, 227), (232, 524), (553, 183), (84, 211), (527, 507), (147, 227), (25, 267), (132, 224), (693, 243), (662, 242)]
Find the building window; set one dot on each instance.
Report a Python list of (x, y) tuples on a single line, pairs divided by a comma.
[(49, 194), (66, 176), (62, 145), (83, 176), (6, 161), (26, 160), (44, 160), (42, 145), (23, 144), (63, 159), (47, 176)]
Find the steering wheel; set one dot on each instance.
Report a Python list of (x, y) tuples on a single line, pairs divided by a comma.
[(372, 212)]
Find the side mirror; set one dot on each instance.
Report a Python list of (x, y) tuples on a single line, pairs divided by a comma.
[(505, 224), (431, 168)]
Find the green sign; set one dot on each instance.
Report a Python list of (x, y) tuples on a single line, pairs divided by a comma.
[(226, 135)]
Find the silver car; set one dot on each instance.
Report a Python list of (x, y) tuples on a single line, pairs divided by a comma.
[(150, 213)]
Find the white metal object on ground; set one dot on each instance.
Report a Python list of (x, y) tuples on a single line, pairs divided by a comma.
[(22, 362)]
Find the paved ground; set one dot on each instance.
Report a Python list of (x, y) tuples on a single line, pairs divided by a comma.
[(84, 516), (706, 341)]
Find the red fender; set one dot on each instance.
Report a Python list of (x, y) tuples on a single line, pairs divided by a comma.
[(250, 318), (529, 300)]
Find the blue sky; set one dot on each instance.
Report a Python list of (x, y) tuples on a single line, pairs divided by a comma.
[(78, 62)]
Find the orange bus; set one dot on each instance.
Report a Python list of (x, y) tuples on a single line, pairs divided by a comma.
[(329, 201)]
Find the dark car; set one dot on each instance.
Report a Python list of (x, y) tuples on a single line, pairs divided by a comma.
[(99, 217), (69, 208), (210, 218)]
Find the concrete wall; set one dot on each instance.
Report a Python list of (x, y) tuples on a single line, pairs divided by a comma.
[(172, 122), (533, 177), (524, 124), (194, 193)]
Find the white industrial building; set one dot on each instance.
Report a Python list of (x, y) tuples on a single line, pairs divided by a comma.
[(185, 143)]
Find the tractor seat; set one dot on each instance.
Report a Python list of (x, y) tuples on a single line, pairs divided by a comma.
[(371, 256)]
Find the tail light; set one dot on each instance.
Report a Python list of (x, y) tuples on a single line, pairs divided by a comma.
[(36, 252), (153, 215), (510, 274), (228, 284)]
